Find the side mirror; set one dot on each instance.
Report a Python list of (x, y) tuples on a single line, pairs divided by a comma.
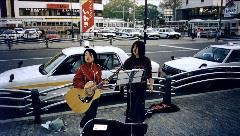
[(172, 58), (11, 78)]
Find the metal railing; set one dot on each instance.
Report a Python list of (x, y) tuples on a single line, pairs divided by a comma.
[(171, 84), (36, 103)]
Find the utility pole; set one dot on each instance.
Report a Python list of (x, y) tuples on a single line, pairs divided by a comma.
[(220, 16), (80, 23), (134, 8), (145, 22), (72, 21), (218, 34)]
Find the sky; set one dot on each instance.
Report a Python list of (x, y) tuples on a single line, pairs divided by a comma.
[(141, 2)]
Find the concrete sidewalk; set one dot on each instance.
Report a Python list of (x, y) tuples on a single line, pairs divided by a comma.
[(212, 114)]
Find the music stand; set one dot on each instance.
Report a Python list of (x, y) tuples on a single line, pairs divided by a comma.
[(136, 91)]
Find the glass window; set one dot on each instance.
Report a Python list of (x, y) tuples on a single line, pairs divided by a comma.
[(70, 65), (234, 56), (212, 54), (53, 62), (108, 61)]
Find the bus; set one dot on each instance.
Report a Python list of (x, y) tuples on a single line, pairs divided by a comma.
[(228, 27)]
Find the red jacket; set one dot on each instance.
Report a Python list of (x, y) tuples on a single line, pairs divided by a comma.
[(87, 72)]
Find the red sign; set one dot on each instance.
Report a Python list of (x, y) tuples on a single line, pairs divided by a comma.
[(57, 6), (87, 16)]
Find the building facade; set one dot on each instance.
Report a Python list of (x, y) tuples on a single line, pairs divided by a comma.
[(40, 13), (200, 9)]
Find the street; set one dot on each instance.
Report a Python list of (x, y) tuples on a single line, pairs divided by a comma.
[(157, 50)]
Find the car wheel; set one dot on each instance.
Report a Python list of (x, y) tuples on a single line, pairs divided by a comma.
[(177, 36), (167, 36)]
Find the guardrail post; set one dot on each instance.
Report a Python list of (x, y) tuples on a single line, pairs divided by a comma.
[(9, 44), (36, 103), (167, 90), (110, 39), (46, 42)]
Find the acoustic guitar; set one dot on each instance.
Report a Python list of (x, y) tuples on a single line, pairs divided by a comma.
[(79, 100)]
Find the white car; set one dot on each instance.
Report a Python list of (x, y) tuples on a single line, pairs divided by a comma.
[(61, 68), (31, 34), (107, 33), (210, 56), (151, 33), (168, 33), (131, 32), (9, 34)]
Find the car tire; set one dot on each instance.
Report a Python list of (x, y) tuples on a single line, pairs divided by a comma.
[(177, 36)]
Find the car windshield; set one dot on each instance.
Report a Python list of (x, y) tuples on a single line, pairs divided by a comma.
[(53, 62), (212, 54), (8, 32)]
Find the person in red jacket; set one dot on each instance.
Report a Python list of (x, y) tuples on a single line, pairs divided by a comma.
[(88, 75)]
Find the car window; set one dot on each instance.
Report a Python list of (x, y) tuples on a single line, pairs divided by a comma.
[(72, 63), (212, 54), (69, 65), (53, 62), (108, 61), (234, 56)]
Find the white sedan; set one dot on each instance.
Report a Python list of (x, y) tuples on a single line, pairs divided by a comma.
[(210, 56), (61, 68)]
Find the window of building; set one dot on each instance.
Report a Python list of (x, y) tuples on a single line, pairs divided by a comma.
[(186, 2), (202, 1)]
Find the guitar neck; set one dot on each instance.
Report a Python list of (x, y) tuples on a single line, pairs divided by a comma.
[(108, 79)]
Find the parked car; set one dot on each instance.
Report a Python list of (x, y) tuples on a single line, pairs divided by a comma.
[(212, 55), (150, 32), (61, 68), (131, 32), (8, 34), (20, 32), (168, 33), (31, 34), (107, 33), (52, 34)]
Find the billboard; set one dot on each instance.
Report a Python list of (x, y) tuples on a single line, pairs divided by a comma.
[(231, 8), (87, 15)]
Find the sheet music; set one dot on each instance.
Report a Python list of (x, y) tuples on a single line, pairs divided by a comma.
[(124, 76)]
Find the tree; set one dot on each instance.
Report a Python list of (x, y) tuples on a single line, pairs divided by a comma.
[(171, 4), (115, 8), (153, 13)]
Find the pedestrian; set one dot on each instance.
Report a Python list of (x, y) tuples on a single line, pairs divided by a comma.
[(138, 60), (198, 33), (87, 76)]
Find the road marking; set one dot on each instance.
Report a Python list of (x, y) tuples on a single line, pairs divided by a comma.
[(25, 59), (167, 51), (178, 47), (183, 50)]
